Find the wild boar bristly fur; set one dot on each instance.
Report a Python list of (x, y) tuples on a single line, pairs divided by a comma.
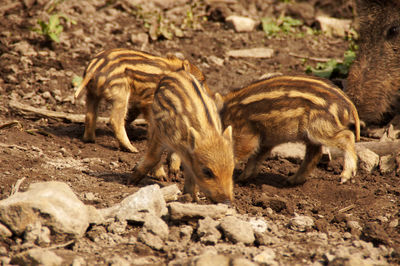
[(290, 109), (185, 120), (127, 78)]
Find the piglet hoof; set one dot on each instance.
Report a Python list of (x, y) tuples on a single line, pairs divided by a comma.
[(346, 179), (135, 178), (130, 148)]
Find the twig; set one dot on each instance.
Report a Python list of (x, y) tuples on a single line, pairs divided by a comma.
[(15, 187), (74, 118), (345, 209), (317, 59), (61, 245), (11, 124)]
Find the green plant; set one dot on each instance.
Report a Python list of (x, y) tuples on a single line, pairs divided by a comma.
[(333, 68), (76, 81), (52, 28), (283, 24)]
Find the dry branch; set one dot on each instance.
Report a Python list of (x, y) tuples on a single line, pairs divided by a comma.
[(25, 109)]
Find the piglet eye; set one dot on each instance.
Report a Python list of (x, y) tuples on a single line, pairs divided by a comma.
[(393, 32), (208, 173)]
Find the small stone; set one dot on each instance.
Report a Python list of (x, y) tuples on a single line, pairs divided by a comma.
[(150, 239), (368, 160), (241, 24), (157, 226), (78, 261), (171, 193), (301, 223), (117, 227), (211, 260), (266, 257), (261, 52), (208, 232), (258, 224), (4, 232), (387, 164), (334, 26), (37, 256), (118, 261), (347, 235), (237, 230), (242, 262), (187, 211)]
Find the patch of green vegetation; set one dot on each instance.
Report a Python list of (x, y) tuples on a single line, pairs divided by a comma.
[(76, 81), (158, 26), (332, 68), (283, 24), (53, 28)]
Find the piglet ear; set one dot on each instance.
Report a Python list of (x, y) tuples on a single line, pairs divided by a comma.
[(193, 138), (228, 133), (219, 101), (186, 66)]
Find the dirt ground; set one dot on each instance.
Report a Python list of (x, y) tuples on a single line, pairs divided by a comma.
[(38, 72)]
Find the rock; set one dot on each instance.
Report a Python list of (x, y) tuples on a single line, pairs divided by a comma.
[(150, 239), (147, 200), (289, 150), (117, 227), (215, 60), (355, 227), (237, 230), (171, 193), (301, 223), (211, 260), (387, 164), (78, 261), (37, 256), (242, 262), (260, 52), (208, 232), (95, 215), (4, 232), (37, 234), (118, 261), (24, 48), (29, 3), (54, 204), (334, 26), (157, 226), (367, 159), (187, 211), (258, 224), (266, 257), (241, 24)]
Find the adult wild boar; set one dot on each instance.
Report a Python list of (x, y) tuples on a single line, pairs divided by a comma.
[(374, 78)]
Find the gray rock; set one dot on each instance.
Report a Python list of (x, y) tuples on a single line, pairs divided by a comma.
[(242, 262), (185, 211), (367, 159), (4, 231), (37, 234), (261, 52), (147, 200), (387, 164), (241, 24), (157, 226), (37, 256), (171, 193), (258, 224), (117, 227), (150, 239), (294, 151), (208, 232), (334, 26), (54, 204), (211, 260), (301, 223), (237, 230), (266, 257), (78, 261)]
